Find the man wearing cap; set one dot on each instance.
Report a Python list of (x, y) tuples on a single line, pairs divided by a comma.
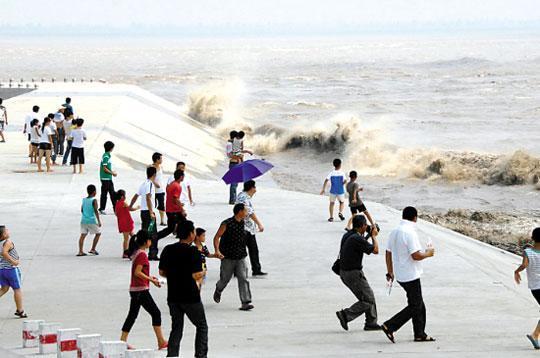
[(354, 245)]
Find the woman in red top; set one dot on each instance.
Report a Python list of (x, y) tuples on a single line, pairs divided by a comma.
[(125, 221), (139, 290)]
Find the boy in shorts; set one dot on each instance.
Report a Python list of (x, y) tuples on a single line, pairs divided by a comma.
[(355, 203), (337, 189), (90, 221), (10, 276)]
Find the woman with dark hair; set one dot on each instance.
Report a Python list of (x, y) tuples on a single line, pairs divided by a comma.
[(139, 291), (45, 144), (531, 262)]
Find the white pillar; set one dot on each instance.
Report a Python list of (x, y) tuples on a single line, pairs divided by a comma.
[(30, 333), (112, 349), (140, 353), (48, 337), (67, 343), (88, 345)]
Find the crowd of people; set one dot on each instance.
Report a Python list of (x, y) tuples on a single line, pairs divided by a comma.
[(163, 203), (403, 256), (58, 134)]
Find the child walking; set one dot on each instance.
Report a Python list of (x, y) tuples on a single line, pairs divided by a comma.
[(531, 262), (90, 221), (10, 275), (337, 189), (199, 242), (125, 222), (139, 290), (355, 203)]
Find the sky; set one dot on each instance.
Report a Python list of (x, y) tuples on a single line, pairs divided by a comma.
[(262, 16)]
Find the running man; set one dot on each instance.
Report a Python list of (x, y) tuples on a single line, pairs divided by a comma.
[(337, 189), (531, 262), (403, 256)]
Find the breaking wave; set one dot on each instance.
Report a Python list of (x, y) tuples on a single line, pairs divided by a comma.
[(363, 146)]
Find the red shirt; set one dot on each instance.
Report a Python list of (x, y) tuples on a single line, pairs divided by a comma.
[(139, 284), (125, 221), (173, 192)]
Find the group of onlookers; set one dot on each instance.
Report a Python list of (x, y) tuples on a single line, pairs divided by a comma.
[(58, 134), (163, 202)]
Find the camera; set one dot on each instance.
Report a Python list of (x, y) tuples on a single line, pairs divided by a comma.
[(370, 229)]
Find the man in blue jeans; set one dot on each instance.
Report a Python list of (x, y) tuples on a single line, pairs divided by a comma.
[(233, 161), (182, 265)]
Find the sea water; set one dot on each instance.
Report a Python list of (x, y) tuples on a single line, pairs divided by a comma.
[(435, 121)]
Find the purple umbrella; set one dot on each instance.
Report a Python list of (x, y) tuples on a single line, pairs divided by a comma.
[(247, 170)]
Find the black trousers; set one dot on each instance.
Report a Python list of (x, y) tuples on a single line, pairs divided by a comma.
[(253, 251), (415, 310), (195, 313), (141, 299), (107, 187), (146, 219), (173, 219)]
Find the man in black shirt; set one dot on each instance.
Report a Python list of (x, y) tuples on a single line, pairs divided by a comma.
[(353, 247), (181, 264), (230, 247)]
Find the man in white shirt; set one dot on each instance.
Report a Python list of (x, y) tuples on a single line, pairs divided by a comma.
[(146, 191), (28, 127), (157, 160), (186, 195), (403, 256)]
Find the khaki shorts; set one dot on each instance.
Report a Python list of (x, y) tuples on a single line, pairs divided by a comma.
[(340, 197), (92, 229)]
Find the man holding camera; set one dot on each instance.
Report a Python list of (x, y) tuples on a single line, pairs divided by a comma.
[(354, 245), (403, 256)]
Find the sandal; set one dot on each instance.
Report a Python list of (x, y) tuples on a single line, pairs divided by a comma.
[(534, 342), (93, 252), (425, 339), (388, 333), (330, 220), (341, 216), (82, 254), (21, 314)]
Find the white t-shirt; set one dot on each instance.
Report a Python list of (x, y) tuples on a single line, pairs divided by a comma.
[(35, 134), (28, 119), (159, 181), (44, 136), (402, 243), (146, 188), (184, 196), (79, 136)]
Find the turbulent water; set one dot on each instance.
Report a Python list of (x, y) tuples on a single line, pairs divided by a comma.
[(439, 122)]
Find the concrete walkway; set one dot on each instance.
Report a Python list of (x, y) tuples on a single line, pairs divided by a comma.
[(473, 307)]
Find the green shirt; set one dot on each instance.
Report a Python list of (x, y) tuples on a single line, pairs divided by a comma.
[(105, 162)]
